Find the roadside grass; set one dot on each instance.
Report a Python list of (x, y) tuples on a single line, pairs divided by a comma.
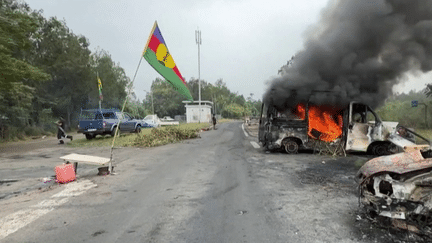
[(14, 134), (149, 137), (426, 133), (225, 120)]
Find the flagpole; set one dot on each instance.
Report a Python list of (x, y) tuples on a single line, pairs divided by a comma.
[(148, 40), (100, 101), (119, 121)]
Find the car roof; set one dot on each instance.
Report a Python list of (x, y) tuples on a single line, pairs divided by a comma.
[(102, 110)]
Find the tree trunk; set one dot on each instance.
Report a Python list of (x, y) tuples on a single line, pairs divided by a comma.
[(68, 117)]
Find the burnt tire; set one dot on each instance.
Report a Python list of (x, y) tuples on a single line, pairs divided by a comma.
[(291, 146), (381, 149)]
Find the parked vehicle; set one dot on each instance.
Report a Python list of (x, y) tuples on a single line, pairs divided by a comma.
[(167, 118), (356, 127), (168, 121), (151, 121), (93, 122)]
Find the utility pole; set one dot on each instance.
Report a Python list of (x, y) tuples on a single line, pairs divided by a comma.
[(198, 42)]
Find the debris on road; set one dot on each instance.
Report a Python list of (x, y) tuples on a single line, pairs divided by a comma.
[(399, 187)]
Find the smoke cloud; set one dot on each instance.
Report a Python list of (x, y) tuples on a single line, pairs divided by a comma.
[(358, 51)]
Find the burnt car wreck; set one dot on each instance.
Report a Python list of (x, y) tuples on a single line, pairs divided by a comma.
[(399, 187)]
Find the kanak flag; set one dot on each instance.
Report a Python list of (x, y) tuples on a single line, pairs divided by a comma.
[(100, 88), (157, 55)]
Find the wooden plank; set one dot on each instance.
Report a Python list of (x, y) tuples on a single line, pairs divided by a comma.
[(85, 159)]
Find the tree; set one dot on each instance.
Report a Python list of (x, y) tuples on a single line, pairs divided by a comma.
[(114, 81), (166, 101), (18, 77), (65, 56), (398, 108), (46, 70), (233, 110)]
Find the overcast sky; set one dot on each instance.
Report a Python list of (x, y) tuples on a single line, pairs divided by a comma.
[(243, 42)]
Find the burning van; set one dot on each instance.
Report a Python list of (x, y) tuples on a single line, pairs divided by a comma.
[(355, 127)]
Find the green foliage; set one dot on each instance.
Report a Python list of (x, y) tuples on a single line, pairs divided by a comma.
[(47, 71), (34, 131), (113, 78), (398, 108), (16, 28), (65, 56), (11, 133), (426, 133), (135, 108), (147, 138), (18, 76), (161, 136), (168, 102), (252, 107), (233, 110)]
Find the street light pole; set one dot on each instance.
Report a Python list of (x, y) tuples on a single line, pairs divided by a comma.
[(198, 42)]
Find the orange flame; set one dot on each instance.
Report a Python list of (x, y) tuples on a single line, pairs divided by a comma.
[(322, 122)]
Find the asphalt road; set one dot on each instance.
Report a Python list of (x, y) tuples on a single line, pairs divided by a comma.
[(217, 188)]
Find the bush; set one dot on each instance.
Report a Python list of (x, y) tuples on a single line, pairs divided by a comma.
[(163, 136), (33, 131), (10, 133)]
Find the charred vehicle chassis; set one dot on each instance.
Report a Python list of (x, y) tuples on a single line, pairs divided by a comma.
[(399, 187)]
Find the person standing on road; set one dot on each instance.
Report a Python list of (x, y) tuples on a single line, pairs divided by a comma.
[(61, 131), (214, 121)]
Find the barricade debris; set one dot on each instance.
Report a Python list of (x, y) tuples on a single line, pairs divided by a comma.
[(399, 187)]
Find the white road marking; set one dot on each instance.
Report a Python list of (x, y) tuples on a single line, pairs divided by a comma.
[(255, 144), (244, 131), (17, 220), (50, 203), (75, 189)]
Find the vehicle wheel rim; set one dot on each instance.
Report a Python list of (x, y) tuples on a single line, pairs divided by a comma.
[(291, 147), (380, 150), (392, 149)]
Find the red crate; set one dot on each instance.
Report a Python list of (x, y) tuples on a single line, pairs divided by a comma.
[(65, 173)]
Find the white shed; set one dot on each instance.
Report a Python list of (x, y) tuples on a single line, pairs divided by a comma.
[(193, 111)]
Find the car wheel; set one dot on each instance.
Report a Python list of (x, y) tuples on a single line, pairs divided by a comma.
[(113, 132), (138, 129), (89, 136), (392, 148), (291, 146), (381, 149)]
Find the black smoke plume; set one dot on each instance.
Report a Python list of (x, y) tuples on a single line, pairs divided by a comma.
[(358, 51)]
